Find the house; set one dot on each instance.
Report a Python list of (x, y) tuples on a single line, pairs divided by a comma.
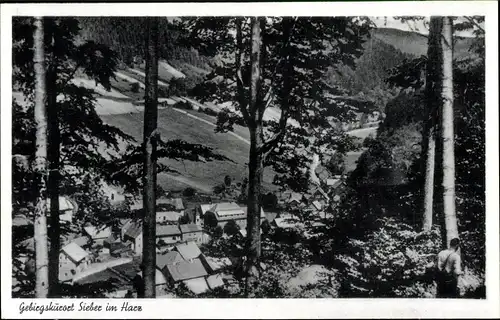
[(67, 209), (82, 241), (168, 217), (286, 223), (334, 183), (72, 260), (188, 250), (114, 194), (197, 215), (170, 257), (132, 232), (227, 211), (215, 281), (168, 234), (192, 232), (111, 243), (171, 204), (121, 250), (184, 270), (161, 283), (294, 198), (97, 234)]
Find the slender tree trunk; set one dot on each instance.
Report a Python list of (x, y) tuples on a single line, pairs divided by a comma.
[(433, 65), (447, 131), (40, 165), (54, 166), (255, 164), (150, 141)]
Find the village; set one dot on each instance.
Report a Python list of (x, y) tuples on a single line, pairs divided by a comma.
[(94, 254)]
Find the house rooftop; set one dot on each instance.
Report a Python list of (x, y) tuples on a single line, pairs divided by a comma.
[(167, 230), (81, 241), (294, 197), (215, 281), (186, 270), (175, 202), (333, 182), (188, 250), (317, 205), (171, 257), (225, 206), (133, 229), (192, 227), (168, 215), (197, 285), (230, 215), (98, 233), (74, 252)]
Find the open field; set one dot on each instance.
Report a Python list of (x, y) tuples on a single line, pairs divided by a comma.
[(176, 125)]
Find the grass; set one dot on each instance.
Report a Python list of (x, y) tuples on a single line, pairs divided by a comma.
[(202, 176)]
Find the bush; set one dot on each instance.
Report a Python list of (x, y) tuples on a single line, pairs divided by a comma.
[(209, 112), (134, 87), (393, 261), (189, 192), (231, 228), (183, 105)]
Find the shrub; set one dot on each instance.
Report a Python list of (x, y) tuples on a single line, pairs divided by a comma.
[(209, 111), (134, 87), (183, 105), (393, 261), (189, 192)]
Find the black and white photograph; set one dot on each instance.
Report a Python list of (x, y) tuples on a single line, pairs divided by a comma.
[(279, 156)]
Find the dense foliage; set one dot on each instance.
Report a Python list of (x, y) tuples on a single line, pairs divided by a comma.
[(383, 244)]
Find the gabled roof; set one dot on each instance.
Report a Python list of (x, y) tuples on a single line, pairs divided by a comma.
[(171, 257), (317, 189), (74, 252), (167, 230), (294, 197), (175, 202), (192, 227), (169, 215), (98, 233), (197, 285), (334, 182), (215, 281), (317, 205), (205, 207), (224, 206), (186, 270), (134, 229), (81, 241), (188, 250)]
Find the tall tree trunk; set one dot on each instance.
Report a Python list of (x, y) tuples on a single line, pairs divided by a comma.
[(255, 164), (54, 166), (40, 165), (150, 141), (433, 65), (447, 130)]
